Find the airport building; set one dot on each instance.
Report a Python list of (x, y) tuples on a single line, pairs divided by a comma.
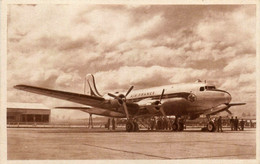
[(27, 113)]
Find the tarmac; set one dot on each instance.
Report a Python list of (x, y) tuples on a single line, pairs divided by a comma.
[(99, 143)]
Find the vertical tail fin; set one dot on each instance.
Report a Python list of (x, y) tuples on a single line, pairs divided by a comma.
[(92, 85)]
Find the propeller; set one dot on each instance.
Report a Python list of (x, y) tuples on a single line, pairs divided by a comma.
[(122, 100), (161, 96), (161, 108), (159, 102)]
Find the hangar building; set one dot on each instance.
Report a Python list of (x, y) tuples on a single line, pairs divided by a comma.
[(27, 113)]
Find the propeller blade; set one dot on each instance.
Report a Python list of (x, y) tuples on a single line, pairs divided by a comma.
[(112, 95), (163, 113), (129, 90), (161, 96), (125, 109), (228, 112)]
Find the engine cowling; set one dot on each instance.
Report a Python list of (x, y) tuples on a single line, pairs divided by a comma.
[(194, 116), (148, 101), (115, 103)]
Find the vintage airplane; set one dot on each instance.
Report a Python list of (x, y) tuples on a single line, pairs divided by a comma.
[(184, 101)]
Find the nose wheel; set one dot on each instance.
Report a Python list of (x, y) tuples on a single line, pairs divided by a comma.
[(211, 127)]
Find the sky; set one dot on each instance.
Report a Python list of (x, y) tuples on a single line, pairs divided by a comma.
[(55, 46)]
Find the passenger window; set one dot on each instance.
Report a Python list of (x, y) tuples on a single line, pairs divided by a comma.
[(201, 88)]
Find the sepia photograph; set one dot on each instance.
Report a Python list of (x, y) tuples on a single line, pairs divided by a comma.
[(131, 81)]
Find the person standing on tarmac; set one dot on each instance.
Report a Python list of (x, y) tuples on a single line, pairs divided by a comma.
[(236, 124), (242, 124), (108, 123), (113, 124), (159, 123), (232, 123), (152, 123), (165, 124), (219, 122)]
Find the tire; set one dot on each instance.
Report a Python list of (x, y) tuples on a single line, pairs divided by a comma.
[(211, 127), (129, 127), (175, 127)]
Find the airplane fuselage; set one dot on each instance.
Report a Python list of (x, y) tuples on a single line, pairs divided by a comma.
[(181, 99)]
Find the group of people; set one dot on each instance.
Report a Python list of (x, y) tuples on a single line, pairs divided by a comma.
[(159, 124), (234, 124)]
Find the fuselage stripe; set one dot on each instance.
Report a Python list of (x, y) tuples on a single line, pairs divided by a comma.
[(156, 97)]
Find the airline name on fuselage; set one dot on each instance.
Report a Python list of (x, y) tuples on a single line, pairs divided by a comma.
[(142, 94)]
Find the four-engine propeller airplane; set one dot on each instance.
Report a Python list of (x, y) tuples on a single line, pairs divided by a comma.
[(185, 101)]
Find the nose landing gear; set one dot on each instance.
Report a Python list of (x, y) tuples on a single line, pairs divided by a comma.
[(210, 125)]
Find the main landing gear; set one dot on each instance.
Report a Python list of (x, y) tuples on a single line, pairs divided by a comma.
[(178, 124), (210, 126), (132, 126)]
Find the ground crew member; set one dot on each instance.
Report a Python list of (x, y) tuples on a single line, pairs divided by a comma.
[(232, 123), (152, 123), (236, 124), (242, 124), (219, 122), (165, 124), (159, 123), (113, 124), (170, 124), (108, 123)]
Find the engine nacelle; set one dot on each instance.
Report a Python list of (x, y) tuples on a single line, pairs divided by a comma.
[(152, 109), (114, 103), (193, 117), (147, 101)]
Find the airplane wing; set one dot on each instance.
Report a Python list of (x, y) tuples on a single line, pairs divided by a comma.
[(222, 107), (100, 106), (69, 96)]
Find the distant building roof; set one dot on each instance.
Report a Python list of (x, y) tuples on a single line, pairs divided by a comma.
[(13, 105)]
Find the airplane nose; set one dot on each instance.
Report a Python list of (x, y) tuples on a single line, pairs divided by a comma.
[(228, 97)]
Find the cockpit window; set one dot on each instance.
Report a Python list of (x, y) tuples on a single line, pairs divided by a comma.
[(210, 87), (201, 88)]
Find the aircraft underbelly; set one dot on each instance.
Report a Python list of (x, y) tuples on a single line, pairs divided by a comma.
[(184, 107), (176, 107)]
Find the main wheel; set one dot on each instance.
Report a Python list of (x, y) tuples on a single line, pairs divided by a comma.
[(175, 126), (211, 127), (129, 126)]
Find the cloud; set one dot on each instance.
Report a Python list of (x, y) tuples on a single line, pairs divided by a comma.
[(55, 46), (234, 67), (143, 77)]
